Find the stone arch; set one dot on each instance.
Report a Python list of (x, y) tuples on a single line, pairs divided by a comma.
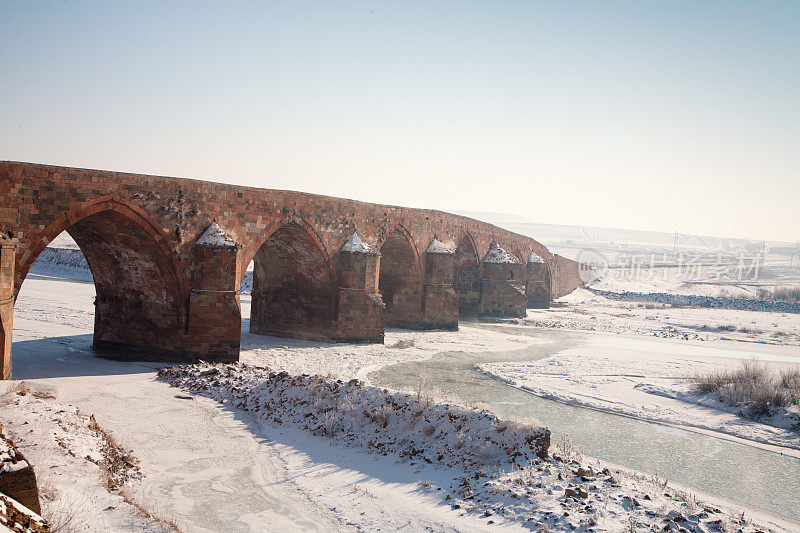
[(294, 284), (110, 203), (467, 276), (141, 304), (249, 253), (399, 280)]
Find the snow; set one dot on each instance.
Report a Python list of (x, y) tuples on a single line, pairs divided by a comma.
[(215, 236), (413, 427), (483, 467), (534, 258), (583, 310), (24, 520), (496, 254), (346, 361), (65, 453), (438, 247), (645, 385), (214, 465), (10, 459), (64, 240), (355, 245)]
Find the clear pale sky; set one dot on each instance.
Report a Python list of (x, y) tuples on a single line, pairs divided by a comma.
[(646, 115)]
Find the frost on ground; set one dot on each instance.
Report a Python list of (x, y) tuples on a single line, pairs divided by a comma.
[(82, 472), (15, 517), (487, 468), (215, 466), (655, 387), (348, 361), (583, 310)]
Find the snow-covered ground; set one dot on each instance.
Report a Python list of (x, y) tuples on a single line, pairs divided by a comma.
[(650, 381), (583, 310), (207, 465), (358, 360), (646, 385)]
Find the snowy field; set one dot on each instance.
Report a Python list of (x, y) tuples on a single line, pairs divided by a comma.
[(626, 373), (206, 464), (648, 385)]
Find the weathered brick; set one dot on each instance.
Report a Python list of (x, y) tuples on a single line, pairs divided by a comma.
[(138, 234)]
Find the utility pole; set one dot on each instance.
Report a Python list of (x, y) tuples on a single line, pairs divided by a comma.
[(675, 245)]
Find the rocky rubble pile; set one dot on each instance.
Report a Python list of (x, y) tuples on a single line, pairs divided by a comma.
[(501, 471), (691, 300), (377, 419)]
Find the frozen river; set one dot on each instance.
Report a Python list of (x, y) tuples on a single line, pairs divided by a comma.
[(753, 477)]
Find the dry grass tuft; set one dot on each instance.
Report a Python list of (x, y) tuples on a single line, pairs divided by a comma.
[(567, 451), (119, 465), (402, 344), (779, 294), (65, 511), (753, 386), (169, 522)]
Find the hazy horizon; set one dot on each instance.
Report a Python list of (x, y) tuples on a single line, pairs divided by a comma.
[(680, 116)]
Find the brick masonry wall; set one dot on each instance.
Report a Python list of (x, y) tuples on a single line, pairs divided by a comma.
[(15, 482), (537, 285), (503, 290), (565, 275), (7, 254), (36, 197), (440, 302), (165, 217), (467, 278)]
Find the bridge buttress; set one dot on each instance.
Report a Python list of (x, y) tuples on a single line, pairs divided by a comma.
[(215, 319), (439, 298), (360, 311), (537, 283), (502, 285), (7, 258)]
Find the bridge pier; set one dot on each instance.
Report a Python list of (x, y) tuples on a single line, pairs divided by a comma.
[(360, 311), (502, 285), (7, 259), (215, 319), (467, 278), (439, 298), (537, 285)]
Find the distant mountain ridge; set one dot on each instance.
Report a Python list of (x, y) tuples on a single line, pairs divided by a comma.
[(560, 236)]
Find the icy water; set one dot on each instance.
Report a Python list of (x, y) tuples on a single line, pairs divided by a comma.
[(755, 478)]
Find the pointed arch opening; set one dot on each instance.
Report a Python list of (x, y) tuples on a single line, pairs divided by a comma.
[(399, 281), (467, 277), (294, 286), (140, 298)]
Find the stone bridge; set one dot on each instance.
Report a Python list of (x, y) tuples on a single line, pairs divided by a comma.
[(168, 256)]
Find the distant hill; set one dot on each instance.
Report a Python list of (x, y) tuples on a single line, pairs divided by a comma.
[(568, 240)]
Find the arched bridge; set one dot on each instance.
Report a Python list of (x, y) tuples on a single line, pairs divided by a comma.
[(168, 256)]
